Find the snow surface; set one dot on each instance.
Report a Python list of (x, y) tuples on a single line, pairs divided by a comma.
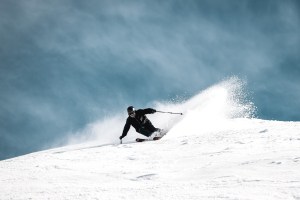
[(215, 151)]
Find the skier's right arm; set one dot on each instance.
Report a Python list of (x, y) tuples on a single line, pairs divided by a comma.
[(125, 130)]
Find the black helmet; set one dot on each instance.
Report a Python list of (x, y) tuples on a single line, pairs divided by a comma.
[(130, 109)]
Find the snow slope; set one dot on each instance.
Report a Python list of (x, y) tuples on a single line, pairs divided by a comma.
[(215, 151)]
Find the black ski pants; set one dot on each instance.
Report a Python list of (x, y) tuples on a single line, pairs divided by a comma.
[(147, 129)]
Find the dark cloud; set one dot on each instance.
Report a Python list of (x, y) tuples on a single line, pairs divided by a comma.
[(67, 63)]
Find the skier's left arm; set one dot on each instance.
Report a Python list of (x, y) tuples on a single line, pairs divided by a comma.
[(148, 111)]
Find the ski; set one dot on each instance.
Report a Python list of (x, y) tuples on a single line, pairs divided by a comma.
[(143, 140)]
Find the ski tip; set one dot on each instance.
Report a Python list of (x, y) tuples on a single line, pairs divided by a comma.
[(140, 140)]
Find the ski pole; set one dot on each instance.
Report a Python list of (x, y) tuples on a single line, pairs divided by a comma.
[(170, 113)]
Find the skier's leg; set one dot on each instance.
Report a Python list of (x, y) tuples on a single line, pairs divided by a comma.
[(156, 132), (145, 132), (150, 127)]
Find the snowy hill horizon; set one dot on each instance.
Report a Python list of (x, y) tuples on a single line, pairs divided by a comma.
[(216, 150)]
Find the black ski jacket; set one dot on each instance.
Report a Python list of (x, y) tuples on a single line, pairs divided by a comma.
[(140, 120)]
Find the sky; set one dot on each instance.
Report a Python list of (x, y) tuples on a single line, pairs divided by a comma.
[(65, 64)]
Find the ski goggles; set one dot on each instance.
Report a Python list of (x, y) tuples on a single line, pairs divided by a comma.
[(131, 114)]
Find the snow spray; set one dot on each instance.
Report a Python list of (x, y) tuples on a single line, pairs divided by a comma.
[(207, 111)]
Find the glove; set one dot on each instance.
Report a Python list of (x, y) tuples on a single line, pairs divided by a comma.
[(121, 137)]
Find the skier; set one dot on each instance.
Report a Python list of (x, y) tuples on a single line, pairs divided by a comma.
[(138, 119)]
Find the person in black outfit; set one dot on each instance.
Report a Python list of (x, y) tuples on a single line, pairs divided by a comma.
[(138, 119)]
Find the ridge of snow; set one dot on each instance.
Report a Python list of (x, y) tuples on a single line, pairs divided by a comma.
[(260, 161)]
